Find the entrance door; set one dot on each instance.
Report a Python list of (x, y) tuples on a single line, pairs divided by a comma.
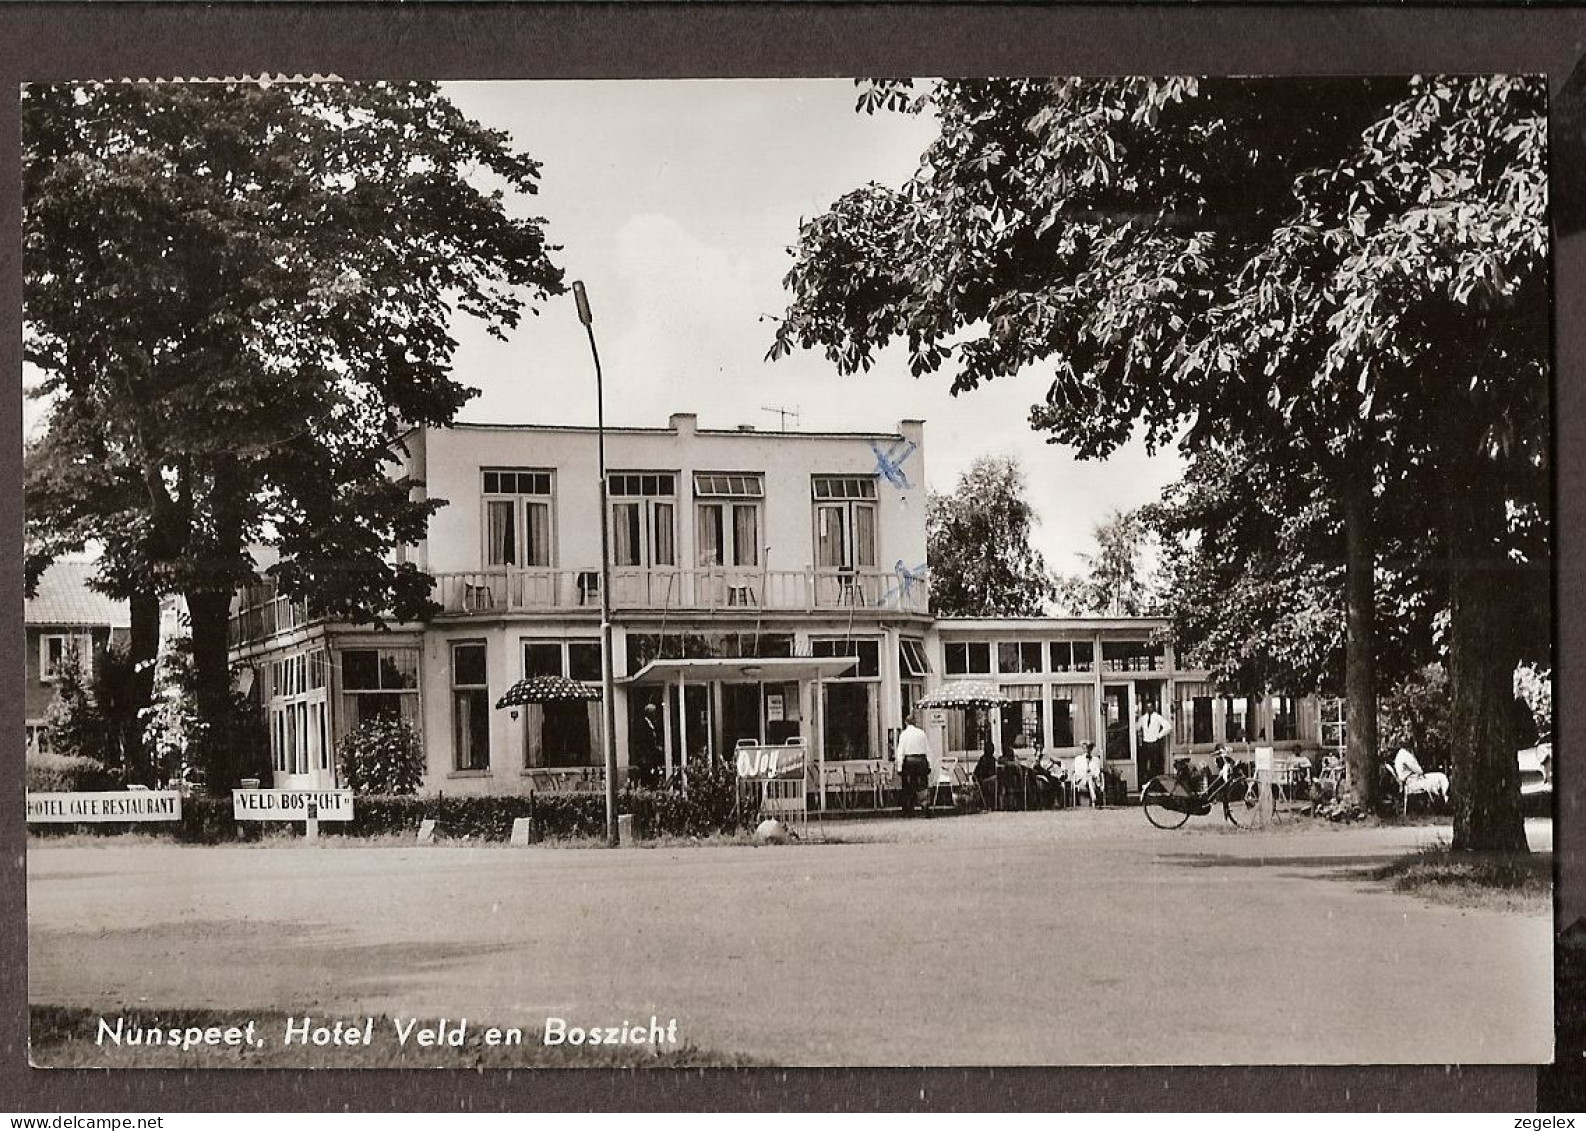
[(1151, 757), (740, 714), (697, 735), (1117, 721)]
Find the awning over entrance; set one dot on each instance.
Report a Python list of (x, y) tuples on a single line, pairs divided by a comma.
[(770, 670)]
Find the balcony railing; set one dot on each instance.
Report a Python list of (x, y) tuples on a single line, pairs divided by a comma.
[(530, 590), (264, 620)]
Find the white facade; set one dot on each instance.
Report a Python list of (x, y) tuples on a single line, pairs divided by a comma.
[(765, 586)]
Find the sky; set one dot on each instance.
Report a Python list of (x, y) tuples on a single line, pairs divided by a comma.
[(675, 202)]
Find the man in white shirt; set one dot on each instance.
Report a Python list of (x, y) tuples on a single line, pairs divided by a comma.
[(1405, 766), (1087, 775), (913, 755)]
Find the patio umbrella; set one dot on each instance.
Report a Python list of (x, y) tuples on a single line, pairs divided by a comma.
[(547, 689), (964, 693)]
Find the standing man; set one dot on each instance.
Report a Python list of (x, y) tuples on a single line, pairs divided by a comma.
[(650, 756), (913, 754), (1154, 729)]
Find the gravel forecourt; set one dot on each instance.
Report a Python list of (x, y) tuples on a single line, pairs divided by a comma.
[(1078, 937)]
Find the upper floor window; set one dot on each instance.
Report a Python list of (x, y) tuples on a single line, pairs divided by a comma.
[(1015, 657), (912, 663), (518, 507), (643, 518), (727, 525), (866, 652), (1073, 656), (55, 650), (1132, 656), (845, 521), (970, 657)]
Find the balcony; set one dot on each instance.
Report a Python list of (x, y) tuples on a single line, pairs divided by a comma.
[(497, 591), (264, 617)]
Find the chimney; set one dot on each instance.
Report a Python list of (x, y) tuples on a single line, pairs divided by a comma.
[(685, 424)]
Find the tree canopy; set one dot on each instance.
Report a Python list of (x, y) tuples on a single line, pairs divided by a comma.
[(1346, 279), (978, 544), (1119, 579), (238, 294)]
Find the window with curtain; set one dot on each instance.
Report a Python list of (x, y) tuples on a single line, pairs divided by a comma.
[(626, 540), (643, 518), (517, 516), (1073, 710), (470, 707), (562, 734), (845, 521), (745, 534), (729, 517), (1022, 723)]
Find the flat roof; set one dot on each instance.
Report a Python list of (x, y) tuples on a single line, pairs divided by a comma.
[(650, 430), (1004, 624), (747, 669)]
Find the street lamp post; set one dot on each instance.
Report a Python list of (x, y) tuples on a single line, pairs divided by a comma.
[(607, 692)]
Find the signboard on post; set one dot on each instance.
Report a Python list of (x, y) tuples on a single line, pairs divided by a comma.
[(771, 761), (291, 804), (119, 805)]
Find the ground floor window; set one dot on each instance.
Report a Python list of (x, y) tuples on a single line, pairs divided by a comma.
[(1239, 719), (1073, 714), (562, 734), (38, 736), (1023, 724), (1192, 722), (850, 721), (470, 707), (1285, 719), (968, 729), (376, 683), (297, 706)]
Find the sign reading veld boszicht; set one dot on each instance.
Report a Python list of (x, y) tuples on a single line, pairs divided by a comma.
[(291, 804), (771, 761), (121, 805)]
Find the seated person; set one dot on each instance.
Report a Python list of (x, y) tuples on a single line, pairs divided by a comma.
[(1406, 767), (1011, 773), (1048, 774), (986, 774), (1088, 775)]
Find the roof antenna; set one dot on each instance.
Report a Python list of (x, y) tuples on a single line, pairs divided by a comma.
[(783, 412)]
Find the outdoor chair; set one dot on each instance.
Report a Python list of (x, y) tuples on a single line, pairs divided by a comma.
[(834, 781)]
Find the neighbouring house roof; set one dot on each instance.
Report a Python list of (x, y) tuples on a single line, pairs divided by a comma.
[(64, 598)]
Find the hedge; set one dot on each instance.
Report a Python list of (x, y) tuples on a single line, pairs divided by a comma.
[(208, 820), (67, 773)]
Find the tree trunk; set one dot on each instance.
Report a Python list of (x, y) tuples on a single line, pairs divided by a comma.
[(143, 650), (1360, 646), (209, 613), (1483, 652)]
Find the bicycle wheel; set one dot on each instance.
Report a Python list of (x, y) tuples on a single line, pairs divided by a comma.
[(1166, 802), (1240, 800)]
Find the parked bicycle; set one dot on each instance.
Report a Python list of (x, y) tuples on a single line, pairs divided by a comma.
[(1170, 800)]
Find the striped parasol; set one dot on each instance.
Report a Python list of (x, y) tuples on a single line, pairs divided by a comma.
[(547, 689), (964, 693)]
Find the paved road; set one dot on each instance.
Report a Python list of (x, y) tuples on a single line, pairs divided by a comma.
[(1070, 938)]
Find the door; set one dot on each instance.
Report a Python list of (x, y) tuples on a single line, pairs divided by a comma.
[(1151, 756), (1117, 722), (695, 737)]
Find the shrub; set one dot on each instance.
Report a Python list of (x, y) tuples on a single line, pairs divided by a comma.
[(382, 756), (67, 773)]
